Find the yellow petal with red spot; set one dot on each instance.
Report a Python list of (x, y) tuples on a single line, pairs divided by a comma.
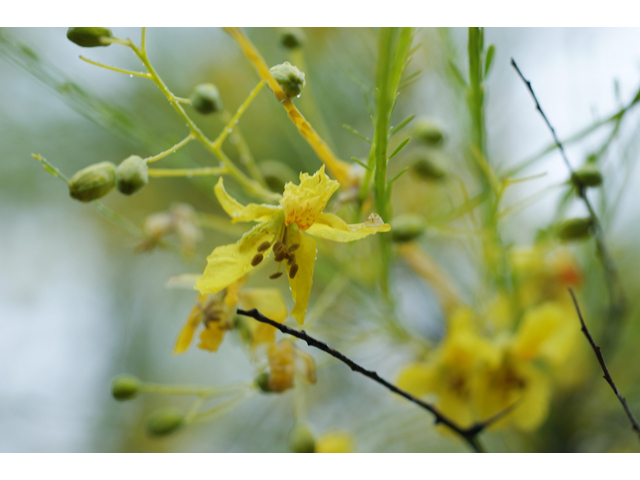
[(332, 227), (241, 213), (303, 203)]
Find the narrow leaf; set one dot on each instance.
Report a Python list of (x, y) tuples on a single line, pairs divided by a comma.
[(360, 163), (356, 133), (457, 75), (489, 59), (400, 147), (401, 125)]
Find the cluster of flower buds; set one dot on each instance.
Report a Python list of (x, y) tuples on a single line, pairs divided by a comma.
[(285, 360), (206, 99), (290, 79), (424, 164), (90, 36), (181, 219), (97, 180)]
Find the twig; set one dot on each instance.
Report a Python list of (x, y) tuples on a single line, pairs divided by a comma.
[(616, 294), (469, 434), (607, 376)]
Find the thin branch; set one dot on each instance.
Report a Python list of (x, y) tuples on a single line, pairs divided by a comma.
[(616, 295), (470, 434), (607, 376)]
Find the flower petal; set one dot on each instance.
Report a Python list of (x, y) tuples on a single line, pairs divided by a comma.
[(417, 379), (240, 213), (187, 332), (211, 337), (332, 227), (270, 303), (228, 263), (303, 203), (300, 285)]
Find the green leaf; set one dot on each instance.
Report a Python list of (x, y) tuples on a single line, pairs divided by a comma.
[(489, 59), (457, 75), (402, 172), (401, 125), (360, 163), (400, 147), (349, 128)]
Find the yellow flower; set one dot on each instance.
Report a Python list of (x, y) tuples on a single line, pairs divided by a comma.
[(284, 230), (285, 359), (513, 381), (335, 442), (216, 312), (450, 371), (547, 333)]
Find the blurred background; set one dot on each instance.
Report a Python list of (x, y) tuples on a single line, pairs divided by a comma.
[(78, 306)]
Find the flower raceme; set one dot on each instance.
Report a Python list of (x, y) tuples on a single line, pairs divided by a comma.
[(284, 230)]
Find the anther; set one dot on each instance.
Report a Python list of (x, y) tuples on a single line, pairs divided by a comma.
[(291, 260), (256, 260), (278, 247), (293, 270), (263, 246), (275, 275), (280, 256), (294, 247)]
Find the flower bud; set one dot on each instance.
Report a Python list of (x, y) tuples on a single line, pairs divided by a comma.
[(301, 439), (206, 99), (131, 175), (292, 38), (262, 381), (291, 79), (276, 174), (588, 176), (425, 168), (93, 182), (428, 133), (405, 228), (164, 421), (89, 36), (575, 229), (124, 387)]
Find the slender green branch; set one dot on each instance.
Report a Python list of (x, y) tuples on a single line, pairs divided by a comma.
[(187, 172), (171, 150), (217, 143), (115, 69)]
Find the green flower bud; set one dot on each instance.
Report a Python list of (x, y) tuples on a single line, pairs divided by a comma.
[(428, 133), (405, 228), (589, 176), (131, 175), (276, 174), (124, 387), (262, 381), (301, 439), (425, 168), (206, 99), (164, 421), (89, 36), (93, 182), (575, 229), (292, 38), (290, 79)]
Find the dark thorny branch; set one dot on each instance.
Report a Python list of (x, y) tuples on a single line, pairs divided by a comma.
[(469, 434), (616, 295), (607, 376)]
